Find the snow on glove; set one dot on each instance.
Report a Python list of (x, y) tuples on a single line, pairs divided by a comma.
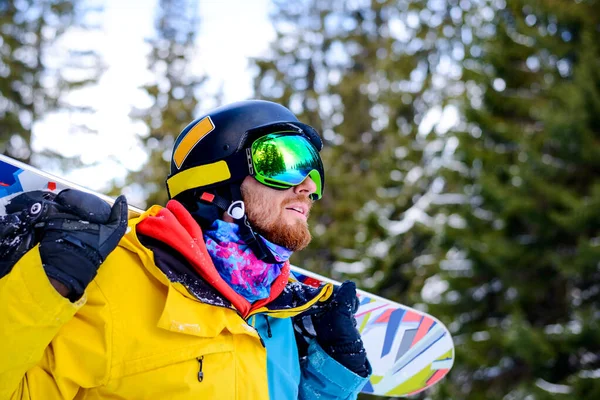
[(15, 240), (78, 230), (336, 333), (17, 232)]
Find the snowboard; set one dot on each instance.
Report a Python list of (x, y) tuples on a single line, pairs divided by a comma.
[(408, 349)]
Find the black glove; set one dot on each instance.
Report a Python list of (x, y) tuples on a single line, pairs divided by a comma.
[(17, 233), (78, 230), (336, 333)]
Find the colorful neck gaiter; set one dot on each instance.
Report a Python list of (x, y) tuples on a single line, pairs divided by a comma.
[(237, 264)]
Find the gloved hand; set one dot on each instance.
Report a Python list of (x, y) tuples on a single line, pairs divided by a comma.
[(336, 333), (17, 233), (76, 230)]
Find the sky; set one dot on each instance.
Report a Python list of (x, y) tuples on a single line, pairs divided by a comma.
[(230, 32)]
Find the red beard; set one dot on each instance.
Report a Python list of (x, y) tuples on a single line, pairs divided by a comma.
[(293, 237)]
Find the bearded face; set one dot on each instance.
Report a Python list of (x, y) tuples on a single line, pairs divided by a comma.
[(280, 216)]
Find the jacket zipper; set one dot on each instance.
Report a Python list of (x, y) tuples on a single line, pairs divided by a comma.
[(200, 373), (269, 334), (251, 325), (262, 342)]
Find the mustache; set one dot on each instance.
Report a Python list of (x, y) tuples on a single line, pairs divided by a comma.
[(299, 199)]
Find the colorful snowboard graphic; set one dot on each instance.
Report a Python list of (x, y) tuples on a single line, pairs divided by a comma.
[(408, 349)]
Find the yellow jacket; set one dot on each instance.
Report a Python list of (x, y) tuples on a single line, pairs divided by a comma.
[(134, 335)]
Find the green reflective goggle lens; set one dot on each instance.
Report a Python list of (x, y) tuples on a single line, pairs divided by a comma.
[(282, 161)]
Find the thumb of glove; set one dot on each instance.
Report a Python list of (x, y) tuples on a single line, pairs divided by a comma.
[(346, 299), (86, 206), (114, 229)]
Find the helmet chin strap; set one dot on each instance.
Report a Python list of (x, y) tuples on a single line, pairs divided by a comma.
[(236, 209)]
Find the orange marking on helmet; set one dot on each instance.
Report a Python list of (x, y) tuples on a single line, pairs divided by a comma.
[(207, 197), (191, 139)]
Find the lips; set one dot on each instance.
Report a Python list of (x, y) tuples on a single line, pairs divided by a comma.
[(299, 208)]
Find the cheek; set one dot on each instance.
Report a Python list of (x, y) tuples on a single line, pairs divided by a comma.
[(264, 204), (266, 209), (274, 210), (271, 204)]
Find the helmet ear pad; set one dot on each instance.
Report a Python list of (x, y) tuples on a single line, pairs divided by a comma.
[(204, 212)]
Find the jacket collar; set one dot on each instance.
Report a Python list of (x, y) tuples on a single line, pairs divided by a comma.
[(176, 229)]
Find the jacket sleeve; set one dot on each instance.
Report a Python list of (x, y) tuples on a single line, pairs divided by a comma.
[(32, 313), (324, 378)]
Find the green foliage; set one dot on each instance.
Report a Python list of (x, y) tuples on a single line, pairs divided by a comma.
[(34, 77), (173, 94), (493, 227), (363, 75), (367, 75), (525, 304)]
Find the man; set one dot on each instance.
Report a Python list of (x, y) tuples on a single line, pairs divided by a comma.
[(191, 301)]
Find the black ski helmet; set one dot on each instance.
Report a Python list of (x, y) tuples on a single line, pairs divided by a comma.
[(209, 152), (209, 161)]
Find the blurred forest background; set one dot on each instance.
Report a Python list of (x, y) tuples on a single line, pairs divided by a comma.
[(488, 219)]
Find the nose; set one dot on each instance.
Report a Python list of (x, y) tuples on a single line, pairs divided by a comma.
[(307, 187)]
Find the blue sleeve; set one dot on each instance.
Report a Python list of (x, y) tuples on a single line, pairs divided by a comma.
[(324, 378)]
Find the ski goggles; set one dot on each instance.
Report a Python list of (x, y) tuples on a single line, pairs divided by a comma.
[(285, 159)]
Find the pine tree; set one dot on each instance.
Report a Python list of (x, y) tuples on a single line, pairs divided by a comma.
[(33, 78), (523, 275), (173, 94), (363, 75), (367, 75)]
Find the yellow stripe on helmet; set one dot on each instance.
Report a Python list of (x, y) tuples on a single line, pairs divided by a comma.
[(191, 139), (198, 176)]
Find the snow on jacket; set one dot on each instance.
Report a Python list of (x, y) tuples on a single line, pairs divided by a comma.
[(136, 334)]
